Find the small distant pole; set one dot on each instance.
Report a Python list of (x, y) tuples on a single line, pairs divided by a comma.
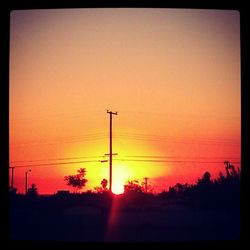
[(26, 181), (110, 147), (12, 177), (146, 184)]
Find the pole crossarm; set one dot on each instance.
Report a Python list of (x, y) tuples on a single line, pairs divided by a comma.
[(112, 113)]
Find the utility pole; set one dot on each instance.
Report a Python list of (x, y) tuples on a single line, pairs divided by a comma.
[(110, 148), (12, 177), (26, 180), (146, 184)]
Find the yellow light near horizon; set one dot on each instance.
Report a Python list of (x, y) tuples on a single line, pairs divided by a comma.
[(123, 169), (121, 174), (118, 187)]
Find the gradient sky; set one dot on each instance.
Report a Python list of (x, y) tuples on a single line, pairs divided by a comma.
[(172, 75)]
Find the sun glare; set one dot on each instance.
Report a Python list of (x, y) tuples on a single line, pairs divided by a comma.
[(118, 188)]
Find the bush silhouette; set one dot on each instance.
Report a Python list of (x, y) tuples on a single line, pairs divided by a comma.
[(32, 191)]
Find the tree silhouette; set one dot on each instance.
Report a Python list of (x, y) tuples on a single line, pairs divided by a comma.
[(133, 186), (222, 192), (231, 171), (205, 180), (104, 184), (32, 191), (77, 181), (103, 187)]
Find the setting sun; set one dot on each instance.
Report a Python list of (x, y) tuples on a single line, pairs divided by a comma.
[(118, 187), (121, 174)]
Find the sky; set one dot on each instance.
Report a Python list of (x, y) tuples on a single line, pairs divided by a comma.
[(173, 76)]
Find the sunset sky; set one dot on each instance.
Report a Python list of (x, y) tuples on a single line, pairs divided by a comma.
[(172, 75)]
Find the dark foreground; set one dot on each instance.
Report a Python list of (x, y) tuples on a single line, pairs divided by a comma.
[(96, 218)]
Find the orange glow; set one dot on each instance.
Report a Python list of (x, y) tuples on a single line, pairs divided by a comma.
[(172, 75)]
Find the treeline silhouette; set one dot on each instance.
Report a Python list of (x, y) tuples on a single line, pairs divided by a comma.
[(220, 193), (208, 209)]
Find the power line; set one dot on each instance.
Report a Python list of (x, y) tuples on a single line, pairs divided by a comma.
[(155, 138), (167, 114), (187, 157), (56, 116), (123, 160), (209, 142), (174, 161), (166, 137), (72, 139), (58, 159), (53, 164), (139, 134)]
